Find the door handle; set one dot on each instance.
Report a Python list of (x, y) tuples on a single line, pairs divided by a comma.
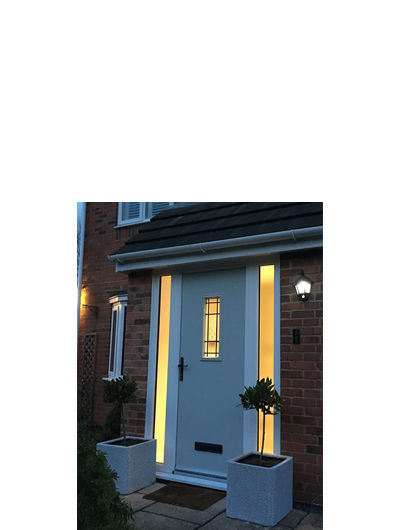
[(181, 366)]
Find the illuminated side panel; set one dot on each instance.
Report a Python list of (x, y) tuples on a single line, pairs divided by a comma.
[(162, 366), (266, 348)]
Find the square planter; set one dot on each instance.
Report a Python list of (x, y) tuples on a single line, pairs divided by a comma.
[(135, 464), (262, 495)]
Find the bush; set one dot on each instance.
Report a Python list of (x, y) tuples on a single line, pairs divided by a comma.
[(100, 506)]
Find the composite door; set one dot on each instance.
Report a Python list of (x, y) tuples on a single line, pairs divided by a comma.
[(210, 422)]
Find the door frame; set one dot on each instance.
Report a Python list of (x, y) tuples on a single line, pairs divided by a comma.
[(166, 470)]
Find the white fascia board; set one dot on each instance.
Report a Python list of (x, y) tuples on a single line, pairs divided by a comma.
[(263, 250), (293, 235), (260, 244)]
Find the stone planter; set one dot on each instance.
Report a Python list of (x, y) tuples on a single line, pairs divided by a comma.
[(262, 495), (135, 464)]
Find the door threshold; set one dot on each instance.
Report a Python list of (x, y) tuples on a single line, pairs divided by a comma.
[(194, 480)]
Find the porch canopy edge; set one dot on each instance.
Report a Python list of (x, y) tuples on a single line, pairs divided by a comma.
[(260, 244), (212, 231)]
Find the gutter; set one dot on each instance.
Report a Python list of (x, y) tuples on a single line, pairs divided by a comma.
[(202, 248)]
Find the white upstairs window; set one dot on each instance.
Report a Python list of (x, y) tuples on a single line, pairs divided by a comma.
[(117, 333), (139, 212)]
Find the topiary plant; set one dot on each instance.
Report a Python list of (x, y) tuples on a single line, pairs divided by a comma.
[(262, 397), (120, 391)]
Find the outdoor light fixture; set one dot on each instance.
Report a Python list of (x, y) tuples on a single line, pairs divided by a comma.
[(303, 287), (93, 308)]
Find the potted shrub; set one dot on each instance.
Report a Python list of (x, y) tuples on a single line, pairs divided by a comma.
[(260, 486), (131, 457)]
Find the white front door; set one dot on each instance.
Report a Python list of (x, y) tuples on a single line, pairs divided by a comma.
[(209, 421)]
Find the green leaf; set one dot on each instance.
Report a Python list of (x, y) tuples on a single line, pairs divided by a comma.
[(262, 397)]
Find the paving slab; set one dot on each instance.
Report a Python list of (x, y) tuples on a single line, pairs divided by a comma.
[(291, 520), (150, 515), (187, 514), (151, 489), (151, 521), (311, 522), (222, 522), (136, 501)]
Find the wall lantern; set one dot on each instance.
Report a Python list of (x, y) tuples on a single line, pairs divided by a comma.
[(303, 287), (84, 293)]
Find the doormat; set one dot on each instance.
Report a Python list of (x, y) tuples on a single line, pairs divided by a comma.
[(186, 495)]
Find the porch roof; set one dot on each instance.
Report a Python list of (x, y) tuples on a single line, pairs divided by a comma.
[(216, 221)]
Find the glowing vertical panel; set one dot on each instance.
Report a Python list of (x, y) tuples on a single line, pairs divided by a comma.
[(162, 366), (266, 348)]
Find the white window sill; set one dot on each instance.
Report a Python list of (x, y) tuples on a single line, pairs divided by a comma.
[(111, 378), (133, 222)]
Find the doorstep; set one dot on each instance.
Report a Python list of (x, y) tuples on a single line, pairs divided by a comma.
[(152, 515)]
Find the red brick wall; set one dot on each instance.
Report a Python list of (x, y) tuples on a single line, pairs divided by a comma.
[(101, 240), (301, 374), (136, 354)]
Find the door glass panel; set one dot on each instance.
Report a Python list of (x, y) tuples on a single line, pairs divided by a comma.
[(162, 366), (211, 327), (266, 348)]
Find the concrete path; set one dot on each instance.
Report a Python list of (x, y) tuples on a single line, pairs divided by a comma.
[(151, 515)]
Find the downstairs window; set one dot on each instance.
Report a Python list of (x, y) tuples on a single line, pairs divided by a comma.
[(117, 334)]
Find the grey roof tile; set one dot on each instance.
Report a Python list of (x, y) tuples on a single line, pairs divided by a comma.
[(213, 221)]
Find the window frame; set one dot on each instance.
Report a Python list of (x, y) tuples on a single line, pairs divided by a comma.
[(118, 312), (135, 220)]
